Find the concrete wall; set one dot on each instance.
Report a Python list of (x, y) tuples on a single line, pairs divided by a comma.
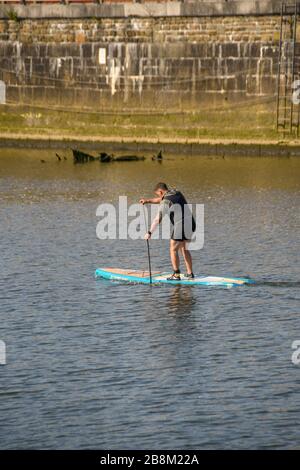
[(143, 9), (170, 56)]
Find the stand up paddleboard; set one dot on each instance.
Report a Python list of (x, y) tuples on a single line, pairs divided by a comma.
[(143, 277)]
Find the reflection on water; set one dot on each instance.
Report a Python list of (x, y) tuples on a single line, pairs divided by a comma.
[(181, 301), (108, 365)]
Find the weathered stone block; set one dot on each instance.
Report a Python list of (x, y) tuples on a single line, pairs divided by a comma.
[(236, 65), (252, 85), (270, 51), (13, 93), (241, 83), (86, 50), (254, 50), (268, 85), (38, 94), (230, 50)]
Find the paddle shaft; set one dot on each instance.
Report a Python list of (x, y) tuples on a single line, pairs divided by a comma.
[(149, 261), (148, 247)]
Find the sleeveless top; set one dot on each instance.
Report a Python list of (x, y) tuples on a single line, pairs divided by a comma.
[(175, 206)]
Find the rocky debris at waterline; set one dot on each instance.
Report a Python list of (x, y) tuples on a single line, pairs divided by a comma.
[(158, 157), (59, 158), (103, 157), (82, 157)]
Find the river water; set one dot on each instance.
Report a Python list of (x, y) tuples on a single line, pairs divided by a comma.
[(96, 364)]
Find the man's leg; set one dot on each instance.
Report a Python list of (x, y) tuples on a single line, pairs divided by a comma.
[(174, 247), (187, 257)]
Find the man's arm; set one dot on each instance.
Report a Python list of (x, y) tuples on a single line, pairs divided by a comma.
[(154, 200), (163, 209), (156, 222)]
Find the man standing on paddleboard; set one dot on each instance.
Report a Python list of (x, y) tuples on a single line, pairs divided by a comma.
[(173, 203)]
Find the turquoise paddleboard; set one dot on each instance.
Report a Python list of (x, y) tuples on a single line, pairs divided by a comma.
[(142, 277)]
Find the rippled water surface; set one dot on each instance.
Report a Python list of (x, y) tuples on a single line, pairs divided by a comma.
[(95, 364)]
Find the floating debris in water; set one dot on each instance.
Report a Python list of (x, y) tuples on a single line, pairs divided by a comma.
[(82, 157), (60, 157), (158, 157), (128, 158), (104, 157)]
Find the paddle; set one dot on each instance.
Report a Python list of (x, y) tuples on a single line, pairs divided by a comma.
[(148, 246)]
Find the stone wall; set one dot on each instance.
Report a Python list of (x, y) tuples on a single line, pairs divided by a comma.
[(164, 63)]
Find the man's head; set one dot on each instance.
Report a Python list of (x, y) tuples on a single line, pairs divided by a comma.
[(160, 189)]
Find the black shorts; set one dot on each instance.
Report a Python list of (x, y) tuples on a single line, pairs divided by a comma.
[(180, 237), (183, 231)]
